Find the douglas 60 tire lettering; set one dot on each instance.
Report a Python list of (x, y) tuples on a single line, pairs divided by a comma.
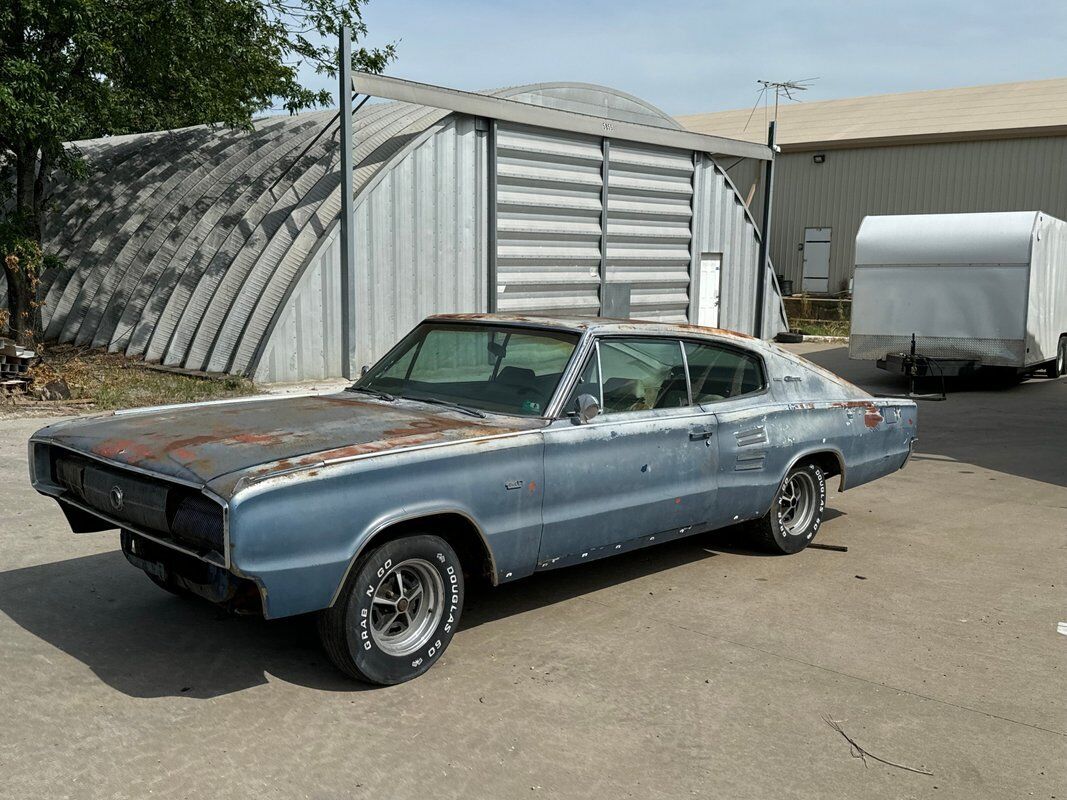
[(397, 612)]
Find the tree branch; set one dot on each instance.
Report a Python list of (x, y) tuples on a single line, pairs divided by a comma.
[(858, 752)]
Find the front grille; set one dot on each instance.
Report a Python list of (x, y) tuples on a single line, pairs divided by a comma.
[(164, 510), (197, 521)]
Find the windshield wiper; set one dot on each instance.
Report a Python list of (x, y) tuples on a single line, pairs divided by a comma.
[(435, 401), (380, 395)]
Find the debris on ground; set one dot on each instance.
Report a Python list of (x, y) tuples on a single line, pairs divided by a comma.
[(66, 377), (15, 363), (858, 752)]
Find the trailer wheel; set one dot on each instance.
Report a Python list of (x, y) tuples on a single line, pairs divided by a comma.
[(1058, 366)]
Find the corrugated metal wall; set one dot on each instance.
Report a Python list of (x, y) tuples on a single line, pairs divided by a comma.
[(650, 193), (182, 245), (420, 239), (420, 250), (549, 209), (722, 225), (548, 221), (212, 249), (306, 341), (998, 175)]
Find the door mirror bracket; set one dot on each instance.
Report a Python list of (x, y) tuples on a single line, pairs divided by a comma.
[(588, 407)]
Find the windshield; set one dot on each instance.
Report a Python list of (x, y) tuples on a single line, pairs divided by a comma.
[(491, 368)]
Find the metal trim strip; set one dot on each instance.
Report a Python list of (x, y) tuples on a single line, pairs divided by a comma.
[(507, 110)]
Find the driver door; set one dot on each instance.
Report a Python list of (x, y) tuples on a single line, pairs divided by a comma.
[(645, 466)]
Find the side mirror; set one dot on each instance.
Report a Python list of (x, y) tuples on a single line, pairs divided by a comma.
[(588, 407), (363, 370)]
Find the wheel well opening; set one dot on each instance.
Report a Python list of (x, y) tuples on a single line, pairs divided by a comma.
[(456, 529), (828, 462)]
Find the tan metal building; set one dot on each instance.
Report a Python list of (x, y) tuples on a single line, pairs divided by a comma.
[(984, 148)]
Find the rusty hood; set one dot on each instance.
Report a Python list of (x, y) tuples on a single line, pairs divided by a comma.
[(202, 443)]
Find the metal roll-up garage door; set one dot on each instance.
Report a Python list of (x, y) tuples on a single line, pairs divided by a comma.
[(548, 204), (650, 193)]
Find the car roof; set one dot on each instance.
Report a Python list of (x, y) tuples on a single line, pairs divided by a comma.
[(599, 325)]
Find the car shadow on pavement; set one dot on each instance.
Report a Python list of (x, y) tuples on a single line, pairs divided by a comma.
[(146, 643), (485, 604)]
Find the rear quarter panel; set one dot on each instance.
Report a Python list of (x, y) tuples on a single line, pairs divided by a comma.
[(805, 411)]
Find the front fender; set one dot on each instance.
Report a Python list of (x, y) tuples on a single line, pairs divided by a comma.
[(298, 534)]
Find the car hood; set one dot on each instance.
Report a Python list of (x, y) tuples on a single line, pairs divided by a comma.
[(201, 443)]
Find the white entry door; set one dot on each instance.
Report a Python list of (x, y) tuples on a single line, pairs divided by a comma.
[(817, 260), (708, 290)]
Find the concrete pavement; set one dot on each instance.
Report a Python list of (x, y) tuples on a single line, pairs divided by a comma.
[(694, 669)]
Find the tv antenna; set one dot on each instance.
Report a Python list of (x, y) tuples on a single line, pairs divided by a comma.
[(786, 89)]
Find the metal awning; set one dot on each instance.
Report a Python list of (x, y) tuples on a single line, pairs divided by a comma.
[(505, 110)]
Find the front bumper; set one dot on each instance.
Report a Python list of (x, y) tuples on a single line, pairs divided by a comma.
[(190, 574)]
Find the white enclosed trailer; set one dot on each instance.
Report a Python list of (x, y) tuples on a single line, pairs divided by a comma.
[(953, 292)]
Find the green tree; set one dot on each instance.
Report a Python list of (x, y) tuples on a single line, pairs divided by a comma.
[(79, 69)]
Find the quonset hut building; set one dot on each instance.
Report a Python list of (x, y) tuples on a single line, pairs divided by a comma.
[(218, 250)]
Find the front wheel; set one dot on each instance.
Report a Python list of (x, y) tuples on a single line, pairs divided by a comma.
[(397, 611), (796, 513)]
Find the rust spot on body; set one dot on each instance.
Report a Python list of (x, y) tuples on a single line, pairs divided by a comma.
[(688, 326), (128, 450), (256, 438), (871, 414), (395, 439)]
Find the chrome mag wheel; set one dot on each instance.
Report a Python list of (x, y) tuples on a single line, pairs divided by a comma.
[(798, 502), (407, 607)]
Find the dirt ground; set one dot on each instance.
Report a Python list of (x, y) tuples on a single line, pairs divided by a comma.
[(693, 669)]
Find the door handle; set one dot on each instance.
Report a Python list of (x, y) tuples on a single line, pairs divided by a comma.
[(698, 435)]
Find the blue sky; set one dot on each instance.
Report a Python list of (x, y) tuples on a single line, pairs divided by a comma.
[(688, 57)]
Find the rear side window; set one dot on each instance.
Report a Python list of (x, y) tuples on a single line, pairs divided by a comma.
[(719, 373)]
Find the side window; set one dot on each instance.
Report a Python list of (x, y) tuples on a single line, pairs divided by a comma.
[(717, 373), (641, 374)]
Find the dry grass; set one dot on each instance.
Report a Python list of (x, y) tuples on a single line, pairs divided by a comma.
[(820, 327), (112, 380)]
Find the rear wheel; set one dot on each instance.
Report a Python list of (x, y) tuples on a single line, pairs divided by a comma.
[(397, 611), (796, 513)]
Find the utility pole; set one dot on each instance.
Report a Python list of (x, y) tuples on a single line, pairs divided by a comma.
[(348, 227), (780, 88)]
